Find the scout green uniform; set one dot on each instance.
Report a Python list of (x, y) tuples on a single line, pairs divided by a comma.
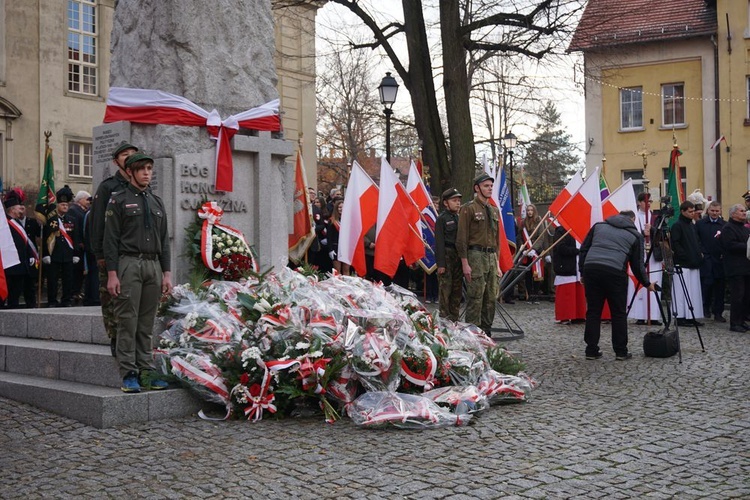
[(109, 185), (477, 242), (446, 228), (136, 245)]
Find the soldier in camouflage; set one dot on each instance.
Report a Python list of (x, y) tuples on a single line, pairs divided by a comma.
[(476, 245), (113, 183)]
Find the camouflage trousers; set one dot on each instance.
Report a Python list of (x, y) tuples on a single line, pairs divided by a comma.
[(108, 308), (482, 290), (450, 286)]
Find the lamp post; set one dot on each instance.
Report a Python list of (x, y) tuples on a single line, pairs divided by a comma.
[(509, 141), (388, 90)]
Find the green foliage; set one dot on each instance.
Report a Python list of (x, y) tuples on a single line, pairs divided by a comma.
[(503, 362)]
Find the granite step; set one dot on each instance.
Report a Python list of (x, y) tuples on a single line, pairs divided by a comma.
[(55, 359), (69, 324), (98, 406)]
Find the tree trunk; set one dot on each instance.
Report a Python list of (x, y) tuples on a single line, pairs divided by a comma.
[(424, 101), (456, 88)]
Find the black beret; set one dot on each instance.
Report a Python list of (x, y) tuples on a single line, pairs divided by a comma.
[(451, 193)]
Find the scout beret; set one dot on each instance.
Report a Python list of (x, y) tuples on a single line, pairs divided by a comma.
[(64, 194), (481, 178), (137, 157), (122, 147), (451, 193)]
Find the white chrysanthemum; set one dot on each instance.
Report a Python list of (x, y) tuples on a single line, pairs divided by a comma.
[(220, 244), (302, 345), (226, 251), (217, 255), (316, 354)]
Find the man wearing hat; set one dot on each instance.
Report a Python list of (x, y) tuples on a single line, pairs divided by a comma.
[(109, 185), (448, 264), (137, 257), (20, 276), (476, 245), (60, 243)]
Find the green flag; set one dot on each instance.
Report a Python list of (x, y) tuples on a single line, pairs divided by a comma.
[(45, 201), (674, 184)]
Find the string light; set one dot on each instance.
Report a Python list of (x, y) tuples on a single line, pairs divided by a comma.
[(701, 99)]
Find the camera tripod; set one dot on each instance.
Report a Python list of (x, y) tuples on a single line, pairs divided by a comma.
[(671, 271)]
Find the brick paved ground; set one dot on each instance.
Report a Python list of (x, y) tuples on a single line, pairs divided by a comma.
[(594, 429)]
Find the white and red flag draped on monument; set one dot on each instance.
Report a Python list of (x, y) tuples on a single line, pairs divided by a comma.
[(584, 209), (398, 217), (359, 214), (621, 199), (302, 234), (162, 108)]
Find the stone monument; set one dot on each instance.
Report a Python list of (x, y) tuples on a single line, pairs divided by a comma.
[(219, 55)]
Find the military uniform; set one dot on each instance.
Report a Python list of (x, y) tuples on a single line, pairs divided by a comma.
[(446, 256), (136, 245), (476, 241), (114, 183), (61, 239)]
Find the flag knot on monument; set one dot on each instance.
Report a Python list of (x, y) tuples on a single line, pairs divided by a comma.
[(155, 107)]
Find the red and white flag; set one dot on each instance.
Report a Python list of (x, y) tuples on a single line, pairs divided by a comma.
[(163, 108), (302, 234), (621, 199), (8, 254), (566, 194), (718, 141), (416, 188), (397, 234), (584, 208), (360, 213)]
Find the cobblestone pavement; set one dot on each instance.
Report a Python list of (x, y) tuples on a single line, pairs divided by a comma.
[(594, 429)]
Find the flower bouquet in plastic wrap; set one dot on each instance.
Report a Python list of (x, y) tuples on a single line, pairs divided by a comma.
[(403, 411)]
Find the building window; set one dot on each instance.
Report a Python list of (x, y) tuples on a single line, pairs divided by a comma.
[(82, 47), (631, 108), (673, 104), (683, 181), (637, 177), (79, 159)]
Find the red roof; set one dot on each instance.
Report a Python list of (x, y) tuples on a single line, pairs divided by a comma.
[(607, 23)]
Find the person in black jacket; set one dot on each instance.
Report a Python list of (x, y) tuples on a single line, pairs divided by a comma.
[(712, 269), (19, 275), (687, 262), (734, 236), (61, 241), (604, 257), (570, 299)]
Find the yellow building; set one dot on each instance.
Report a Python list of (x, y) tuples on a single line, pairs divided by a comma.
[(654, 70), (54, 75)]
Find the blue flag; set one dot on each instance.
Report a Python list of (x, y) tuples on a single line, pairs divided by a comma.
[(427, 225), (506, 211)]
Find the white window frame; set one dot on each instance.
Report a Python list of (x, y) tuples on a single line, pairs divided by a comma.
[(80, 159), (669, 98), (83, 48), (631, 104), (636, 175)]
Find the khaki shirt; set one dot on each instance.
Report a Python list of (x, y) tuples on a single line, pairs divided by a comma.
[(125, 229), (477, 226)]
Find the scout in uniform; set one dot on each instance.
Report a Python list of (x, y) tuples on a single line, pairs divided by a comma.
[(476, 244), (109, 185), (448, 264), (137, 256)]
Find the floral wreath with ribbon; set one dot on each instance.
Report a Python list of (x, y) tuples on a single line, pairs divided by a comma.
[(222, 246)]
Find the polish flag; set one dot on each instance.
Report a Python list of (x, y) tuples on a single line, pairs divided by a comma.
[(8, 254), (416, 188), (584, 209), (359, 214), (621, 199), (719, 141), (566, 194), (397, 231)]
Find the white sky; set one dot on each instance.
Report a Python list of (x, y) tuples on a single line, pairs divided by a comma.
[(555, 77)]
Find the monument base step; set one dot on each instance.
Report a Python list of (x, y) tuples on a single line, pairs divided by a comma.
[(97, 406)]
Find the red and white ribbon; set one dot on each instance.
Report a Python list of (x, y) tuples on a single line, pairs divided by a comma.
[(207, 375), (211, 214), (65, 234), (259, 398), (426, 379), (162, 108), (16, 226)]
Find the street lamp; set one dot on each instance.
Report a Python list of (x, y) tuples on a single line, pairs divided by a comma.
[(388, 89), (509, 141)]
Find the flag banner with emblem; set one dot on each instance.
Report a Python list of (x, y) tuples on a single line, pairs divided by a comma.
[(674, 184), (45, 201), (523, 194), (302, 234), (507, 230), (421, 196)]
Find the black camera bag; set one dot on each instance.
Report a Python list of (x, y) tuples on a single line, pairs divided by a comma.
[(663, 343)]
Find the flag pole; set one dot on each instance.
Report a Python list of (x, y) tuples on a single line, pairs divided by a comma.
[(40, 239)]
